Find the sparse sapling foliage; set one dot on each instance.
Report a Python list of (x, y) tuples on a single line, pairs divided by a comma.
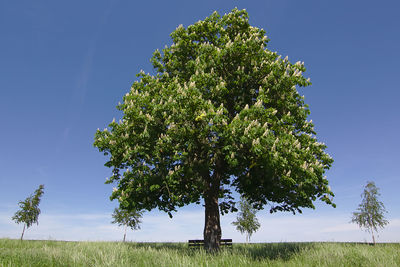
[(29, 212), (370, 213), (221, 114), (246, 221), (127, 219)]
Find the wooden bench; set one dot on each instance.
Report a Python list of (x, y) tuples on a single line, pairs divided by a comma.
[(199, 243)]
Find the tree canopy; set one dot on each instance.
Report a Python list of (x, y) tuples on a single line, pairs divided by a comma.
[(370, 213), (129, 218), (221, 114)]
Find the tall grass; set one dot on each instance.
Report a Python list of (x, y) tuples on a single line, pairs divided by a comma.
[(58, 253)]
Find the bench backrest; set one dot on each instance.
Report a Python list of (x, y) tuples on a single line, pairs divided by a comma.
[(200, 242)]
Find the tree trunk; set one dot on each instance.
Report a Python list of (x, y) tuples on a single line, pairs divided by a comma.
[(372, 229), (23, 231), (126, 226), (212, 226)]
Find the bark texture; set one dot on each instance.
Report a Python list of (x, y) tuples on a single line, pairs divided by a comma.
[(212, 225)]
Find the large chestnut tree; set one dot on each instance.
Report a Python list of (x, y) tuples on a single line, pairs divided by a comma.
[(221, 114)]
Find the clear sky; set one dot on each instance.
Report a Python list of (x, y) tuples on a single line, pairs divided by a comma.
[(65, 65)]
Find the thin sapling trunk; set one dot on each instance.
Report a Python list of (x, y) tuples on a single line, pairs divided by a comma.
[(126, 226), (23, 231)]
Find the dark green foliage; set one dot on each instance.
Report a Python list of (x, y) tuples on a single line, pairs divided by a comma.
[(219, 96), (246, 221), (370, 213), (221, 114)]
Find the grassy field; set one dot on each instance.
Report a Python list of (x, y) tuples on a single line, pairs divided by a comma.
[(59, 253)]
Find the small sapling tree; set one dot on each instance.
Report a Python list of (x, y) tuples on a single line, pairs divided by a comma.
[(221, 114), (127, 219), (246, 221), (29, 212), (369, 214)]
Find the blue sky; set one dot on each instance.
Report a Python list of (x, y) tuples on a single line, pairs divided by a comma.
[(65, 65)]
